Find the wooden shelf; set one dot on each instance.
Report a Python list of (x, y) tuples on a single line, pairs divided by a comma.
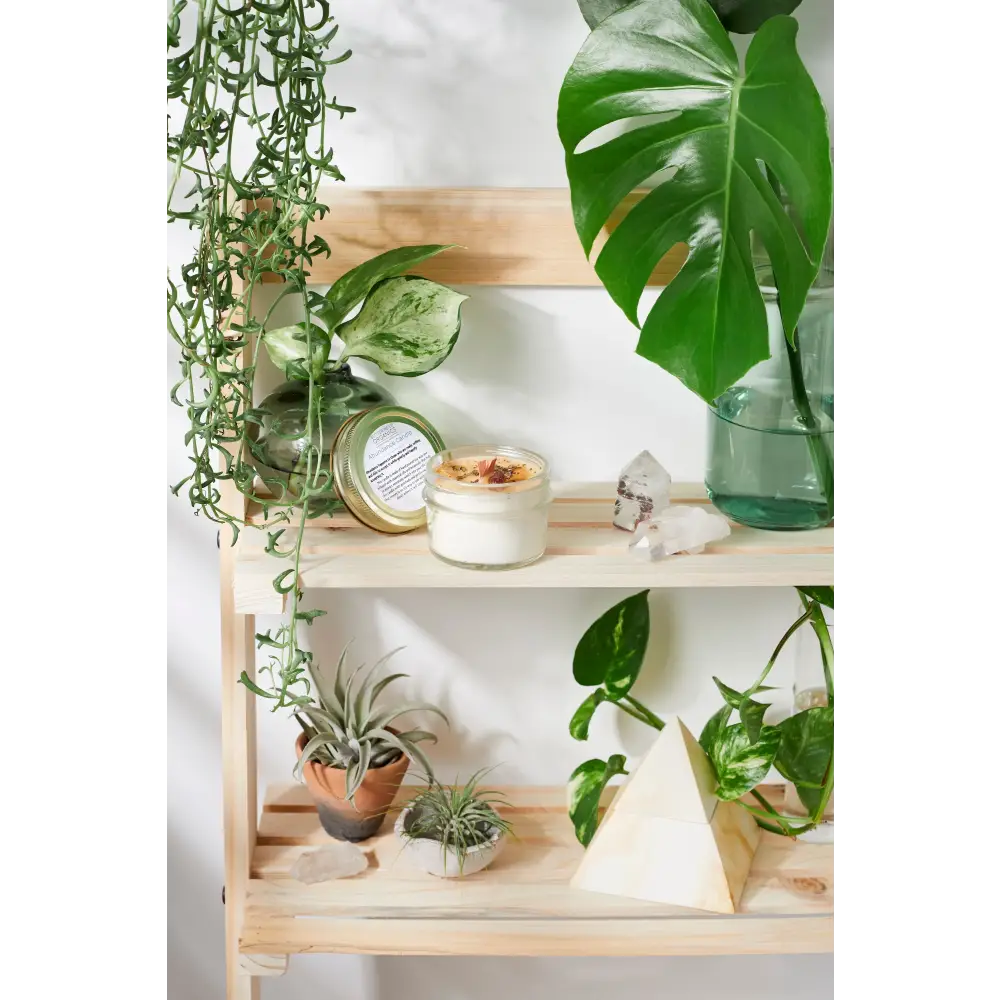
[(584, 550), (503, 236), (522, 905)]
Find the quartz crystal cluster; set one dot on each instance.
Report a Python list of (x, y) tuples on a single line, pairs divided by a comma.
[(678, 529), (339, 860), (643, 492)]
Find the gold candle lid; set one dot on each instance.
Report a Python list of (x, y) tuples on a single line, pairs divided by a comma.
[(378, 463)]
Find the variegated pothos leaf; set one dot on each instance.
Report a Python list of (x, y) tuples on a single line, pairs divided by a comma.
[(407, 326)]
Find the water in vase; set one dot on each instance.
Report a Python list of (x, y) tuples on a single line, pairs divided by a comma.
[(762, 462)]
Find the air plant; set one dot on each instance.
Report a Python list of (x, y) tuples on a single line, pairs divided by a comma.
[(345, 727), (458, 818)]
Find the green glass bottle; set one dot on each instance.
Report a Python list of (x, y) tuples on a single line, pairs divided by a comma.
[(770, 438), (278, 453)]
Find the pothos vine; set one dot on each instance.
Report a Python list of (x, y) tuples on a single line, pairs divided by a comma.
[(251, 75)]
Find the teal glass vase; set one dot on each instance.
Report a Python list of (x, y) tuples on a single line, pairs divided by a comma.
[(278, 454), (770, 437)]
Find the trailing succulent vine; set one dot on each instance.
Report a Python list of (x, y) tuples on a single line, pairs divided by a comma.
[(610, 655), (248, 147)]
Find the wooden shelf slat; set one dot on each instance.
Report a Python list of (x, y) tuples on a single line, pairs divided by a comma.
[(584, 550), (522, 904), (505, 236)]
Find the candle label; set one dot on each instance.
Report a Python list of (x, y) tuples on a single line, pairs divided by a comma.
[(396, 457)]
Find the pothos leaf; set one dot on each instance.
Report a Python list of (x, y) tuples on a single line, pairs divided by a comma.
[(824, 595), (407, 326), (585, 786), (739, 764), (579, 725), (289, 347), (349, 289), (805, 750), (612, 649), (751, 712)]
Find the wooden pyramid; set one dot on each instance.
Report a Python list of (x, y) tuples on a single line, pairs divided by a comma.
[(667, 838)]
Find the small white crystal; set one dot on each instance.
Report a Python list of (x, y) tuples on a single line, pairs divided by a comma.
[(643, 491), (678, 529), (337, 860)]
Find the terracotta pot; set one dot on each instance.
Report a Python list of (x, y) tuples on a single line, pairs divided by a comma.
[(340, 818)]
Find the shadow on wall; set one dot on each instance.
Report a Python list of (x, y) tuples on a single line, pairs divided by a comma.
[(749, 977)]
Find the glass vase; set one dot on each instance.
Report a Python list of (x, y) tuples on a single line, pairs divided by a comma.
[(278, 454), (770, 451)]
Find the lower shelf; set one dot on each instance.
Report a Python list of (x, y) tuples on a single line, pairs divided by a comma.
[(522, 905)]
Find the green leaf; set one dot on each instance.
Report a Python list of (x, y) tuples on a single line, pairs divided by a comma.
[(585, 786), (751, 712), (612, 649), (805, 751), (288, 347), (595, 11), (406, 747), (708, 327), (741, 16), (407, 326), (739, 764), (824, 595), (259, 691), (745, 16), (349, 289), (579, 725), (309, 616), (714, 728)]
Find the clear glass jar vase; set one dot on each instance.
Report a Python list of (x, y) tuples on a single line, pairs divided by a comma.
[(278, 454), (770, 438)]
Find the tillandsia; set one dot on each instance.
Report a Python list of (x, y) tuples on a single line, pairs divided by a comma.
[(458, 817), (610, 654), (248, 147), (661, 123), (346, 728)]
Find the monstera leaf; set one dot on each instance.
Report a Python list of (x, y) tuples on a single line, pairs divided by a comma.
[(708, 326), (407, 326), (741, 16)]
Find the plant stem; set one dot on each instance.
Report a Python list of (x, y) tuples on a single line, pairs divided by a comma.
[(822, 459), (792, 629), (629, 710), (825, 647), (646, 715)]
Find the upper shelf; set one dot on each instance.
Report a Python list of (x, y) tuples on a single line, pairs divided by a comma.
[(504, 236), (584, 550), (521, 905)]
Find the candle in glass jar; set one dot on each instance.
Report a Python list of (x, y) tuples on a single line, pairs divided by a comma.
[(487, 506)]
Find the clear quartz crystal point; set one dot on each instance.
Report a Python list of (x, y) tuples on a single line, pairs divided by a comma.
[(678, 529), (643, 491), (339, 860)]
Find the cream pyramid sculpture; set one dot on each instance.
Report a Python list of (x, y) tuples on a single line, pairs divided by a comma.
[(667, 838)]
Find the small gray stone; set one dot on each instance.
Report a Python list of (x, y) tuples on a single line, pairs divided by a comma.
[(643, 491), (338, 860)]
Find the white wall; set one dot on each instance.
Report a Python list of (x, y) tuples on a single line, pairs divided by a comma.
[(463, 92)]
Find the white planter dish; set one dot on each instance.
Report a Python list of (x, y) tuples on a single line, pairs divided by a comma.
[(427, 854)]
